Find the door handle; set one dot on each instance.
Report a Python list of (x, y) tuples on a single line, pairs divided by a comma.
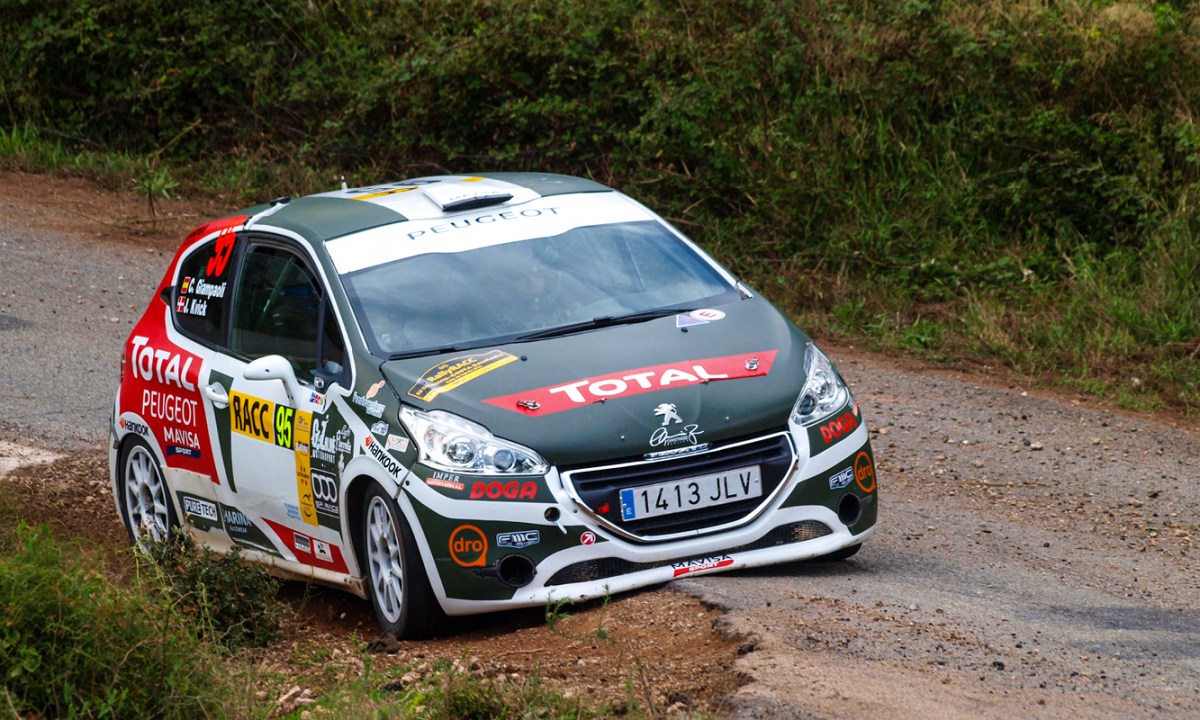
[(217, 395)]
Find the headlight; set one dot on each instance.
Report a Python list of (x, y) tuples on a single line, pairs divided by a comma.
[(824, 392), (450, 442)]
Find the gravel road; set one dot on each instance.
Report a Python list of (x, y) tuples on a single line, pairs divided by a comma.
[(1035, 557), (69, 295)]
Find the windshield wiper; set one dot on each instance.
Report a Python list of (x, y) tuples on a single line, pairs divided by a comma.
[(430, 351), (599, 322)]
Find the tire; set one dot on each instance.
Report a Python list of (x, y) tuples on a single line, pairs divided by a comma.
[(146, 507), (838, 555), (398, 586)]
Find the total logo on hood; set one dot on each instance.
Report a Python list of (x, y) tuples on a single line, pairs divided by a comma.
[(625, 383)]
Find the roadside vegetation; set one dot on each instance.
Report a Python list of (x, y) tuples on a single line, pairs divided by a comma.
[(1008, 183), (178, 641)]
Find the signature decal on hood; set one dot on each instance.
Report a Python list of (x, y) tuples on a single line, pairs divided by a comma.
[(624, 383), (457, 371)]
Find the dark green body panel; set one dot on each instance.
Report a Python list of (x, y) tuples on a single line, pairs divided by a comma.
[(816, 491), (480, 583), (324, 218), (622, 426)]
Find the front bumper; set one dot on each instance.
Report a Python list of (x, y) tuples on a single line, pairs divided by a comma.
[(821, 505)]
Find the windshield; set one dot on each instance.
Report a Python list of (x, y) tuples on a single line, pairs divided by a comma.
[(444, 301)]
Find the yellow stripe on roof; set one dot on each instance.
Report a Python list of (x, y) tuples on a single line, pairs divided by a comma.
[(393, 191)]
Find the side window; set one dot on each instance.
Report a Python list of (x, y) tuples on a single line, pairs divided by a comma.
[(199, 297), (278, 309)]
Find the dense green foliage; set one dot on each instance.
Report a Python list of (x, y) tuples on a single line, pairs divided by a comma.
[(1014, 180), (73, 645), (231, 601)]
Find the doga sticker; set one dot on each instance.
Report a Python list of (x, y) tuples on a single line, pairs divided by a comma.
[(496, 490)]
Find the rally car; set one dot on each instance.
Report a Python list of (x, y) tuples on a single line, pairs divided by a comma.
[(460, 394)]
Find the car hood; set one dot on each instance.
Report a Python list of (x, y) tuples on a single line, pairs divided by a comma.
[(623, 391)]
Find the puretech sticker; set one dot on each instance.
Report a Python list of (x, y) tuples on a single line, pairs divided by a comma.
[(199, 513)]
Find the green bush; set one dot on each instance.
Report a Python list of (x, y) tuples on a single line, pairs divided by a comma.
[(74, 645), (230, 601)]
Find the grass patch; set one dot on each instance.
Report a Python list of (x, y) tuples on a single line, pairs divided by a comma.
[(451, 691), (230, 601), (168, 644), (76, 645)]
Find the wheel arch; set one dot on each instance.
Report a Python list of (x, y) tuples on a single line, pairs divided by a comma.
[(123, 446), (356, 492), (352, 512)]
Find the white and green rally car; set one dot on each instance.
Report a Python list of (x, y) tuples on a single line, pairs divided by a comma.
[(467, 393)]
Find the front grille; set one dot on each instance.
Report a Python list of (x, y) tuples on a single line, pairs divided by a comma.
[(602, 568), (598, 489)]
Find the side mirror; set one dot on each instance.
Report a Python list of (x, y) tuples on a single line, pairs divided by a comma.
[(275, 367)]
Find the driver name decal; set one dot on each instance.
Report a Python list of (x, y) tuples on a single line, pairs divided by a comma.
[(585, 391)]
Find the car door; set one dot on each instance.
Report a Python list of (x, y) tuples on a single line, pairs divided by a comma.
[(273, 502)]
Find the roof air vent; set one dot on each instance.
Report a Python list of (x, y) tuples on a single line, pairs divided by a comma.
[(453, 196)]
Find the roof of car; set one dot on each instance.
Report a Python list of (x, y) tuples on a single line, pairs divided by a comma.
[(329, 215)]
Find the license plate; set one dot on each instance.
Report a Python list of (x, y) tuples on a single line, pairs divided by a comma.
[(691, 493)]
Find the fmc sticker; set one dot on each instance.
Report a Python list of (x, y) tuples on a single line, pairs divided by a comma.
[(624, 383)]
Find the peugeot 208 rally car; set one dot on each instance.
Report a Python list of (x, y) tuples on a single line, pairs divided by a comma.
[(467, 393)]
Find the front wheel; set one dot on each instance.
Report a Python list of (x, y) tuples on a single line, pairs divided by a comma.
[(146, 505), (400, 590)]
